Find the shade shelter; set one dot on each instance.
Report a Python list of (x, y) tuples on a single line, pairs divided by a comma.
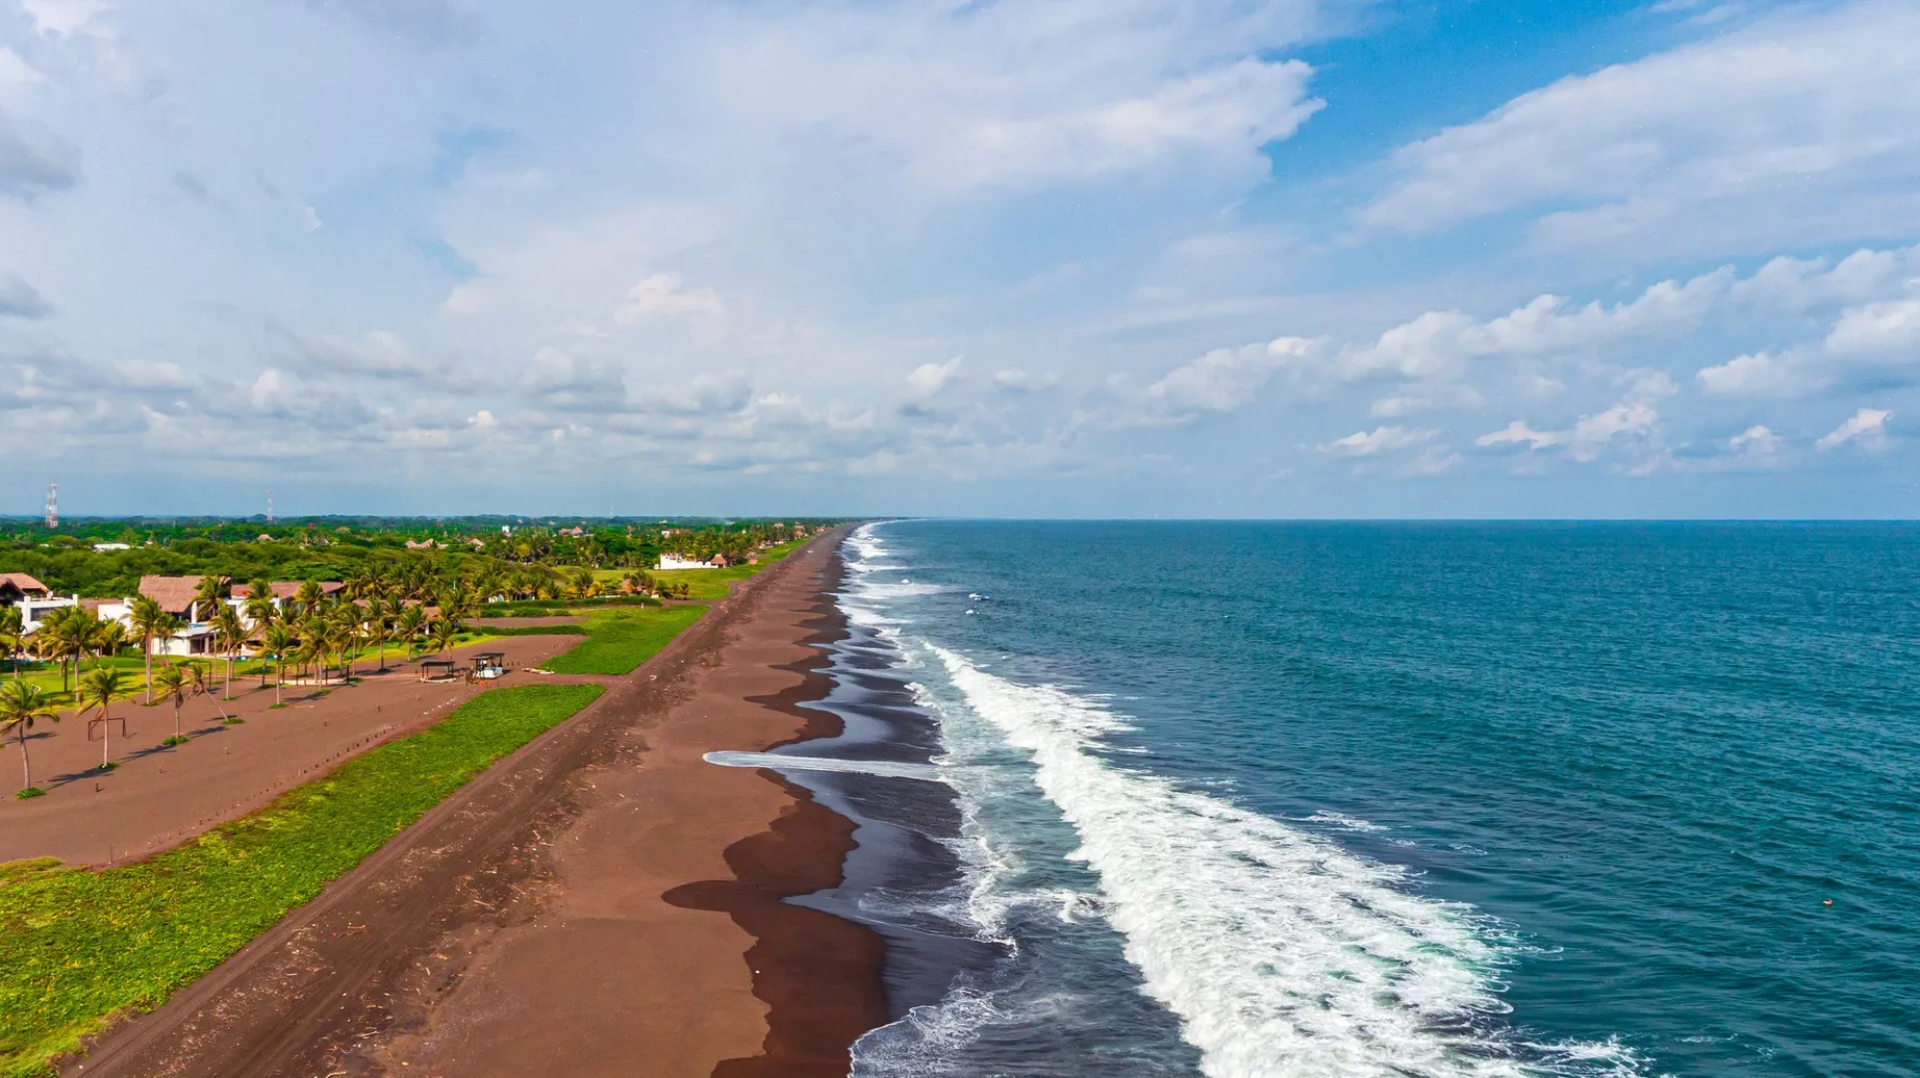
[(436, 670)]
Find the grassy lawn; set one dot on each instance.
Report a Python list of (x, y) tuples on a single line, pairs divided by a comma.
[(77, 947), (619, 640)]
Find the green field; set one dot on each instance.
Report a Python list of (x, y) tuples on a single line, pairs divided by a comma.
[(619, 640), (708, 584), (78, 946)]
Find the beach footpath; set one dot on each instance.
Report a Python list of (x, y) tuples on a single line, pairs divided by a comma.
[(602, 902)]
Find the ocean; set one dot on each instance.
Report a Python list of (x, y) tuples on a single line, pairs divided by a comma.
[(1402, 799)]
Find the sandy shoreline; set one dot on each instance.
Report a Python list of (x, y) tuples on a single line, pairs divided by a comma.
[(604, 902)]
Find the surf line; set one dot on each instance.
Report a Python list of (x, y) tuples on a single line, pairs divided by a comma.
[(784, 762)]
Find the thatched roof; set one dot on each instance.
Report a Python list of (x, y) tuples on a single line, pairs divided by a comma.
[(286, 589), (173, 593), (22, 583)]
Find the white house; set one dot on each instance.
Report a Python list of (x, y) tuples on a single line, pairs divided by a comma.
[(33, 611), (675, 561), (102, 548)]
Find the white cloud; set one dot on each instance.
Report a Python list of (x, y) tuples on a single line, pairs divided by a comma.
[(1591, 437), (660, 296), (1867, 427), (1019, 381), (1760, 374), (1519, 433), (960, 98), (1593, 433), (1367, 443), (927, 380), (1224, 380), (1805, 124), (1877, 327), (62, 17), (1755, 439)]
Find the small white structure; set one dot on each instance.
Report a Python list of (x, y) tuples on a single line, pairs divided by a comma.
[(675, 561), (35, 610), (102, 548)]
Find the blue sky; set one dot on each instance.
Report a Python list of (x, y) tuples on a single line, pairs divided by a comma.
[(1079, 257)]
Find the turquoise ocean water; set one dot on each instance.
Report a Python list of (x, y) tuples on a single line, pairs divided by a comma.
[(1386, 799)]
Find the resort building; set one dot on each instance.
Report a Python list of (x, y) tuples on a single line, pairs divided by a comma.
[(15, 587), (675, 561)]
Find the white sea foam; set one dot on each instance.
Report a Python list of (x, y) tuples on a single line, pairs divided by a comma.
[(1282, 954), (782, 761)]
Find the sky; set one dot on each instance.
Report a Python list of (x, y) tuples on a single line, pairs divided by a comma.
[(1055, 258)]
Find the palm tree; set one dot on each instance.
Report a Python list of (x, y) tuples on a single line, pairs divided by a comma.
[(230, 636), (312, 650), (209, 595), (261, 615), (412, 620), (150, 621), (99, 689), (175, 685), (341, 637), (278, 642), (21, 705), (57, 640), (308, 597), (12, 634), (443, 633), (107, 637), (378, 627)]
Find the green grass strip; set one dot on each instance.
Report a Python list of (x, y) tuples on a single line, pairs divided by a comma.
[(78, 947), (618, 641)]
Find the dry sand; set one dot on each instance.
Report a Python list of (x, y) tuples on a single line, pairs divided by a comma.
[(602, 903)]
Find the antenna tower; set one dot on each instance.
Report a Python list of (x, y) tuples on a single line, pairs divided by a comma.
[(269, 506), (53, 505)]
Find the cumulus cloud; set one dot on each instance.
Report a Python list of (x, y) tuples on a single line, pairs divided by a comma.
[(1877, 327), (1367, 443), (1797, 121), (1590, 437), (959, 98), (1755, 439), (926, 381), (1866, 427)]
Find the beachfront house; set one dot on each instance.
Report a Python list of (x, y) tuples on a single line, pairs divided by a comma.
[(16, 587), (675, 561), (176, 595), (282, 593)]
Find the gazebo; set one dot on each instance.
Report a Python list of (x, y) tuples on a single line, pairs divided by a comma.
[(437, 670)]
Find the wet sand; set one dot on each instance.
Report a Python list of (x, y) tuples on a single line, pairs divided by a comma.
[(603, 903), (162, 796)]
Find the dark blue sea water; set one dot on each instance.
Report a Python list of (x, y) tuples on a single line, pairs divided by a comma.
[(1387, 799)]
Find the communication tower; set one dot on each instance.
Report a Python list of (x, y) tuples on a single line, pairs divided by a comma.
[(269, 506), (53, 505)]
